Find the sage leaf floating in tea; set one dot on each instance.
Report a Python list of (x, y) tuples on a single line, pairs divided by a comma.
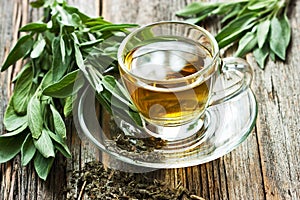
[(261, 27)]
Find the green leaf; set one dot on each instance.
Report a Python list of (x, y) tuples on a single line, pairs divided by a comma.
[(44, 145), (42, 165), (61, 144), (235, 29), (79, 59), (72, 10), (58, 66), (246, 44), (236, 25), (16, 132), (35, 117), (112, 27), (195, 8), (59, 123), (62, 48), (37, 3), (38, 48), (22, 90), (257, 5), (286, 29), (27, 150), (35, 27), (12, 120), (68, 105), (260, 55), (20, 50), (66, 86), (277, 41), (262, 32), (10, 146)]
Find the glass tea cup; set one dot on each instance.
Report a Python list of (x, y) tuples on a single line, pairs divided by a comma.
[(173, 72)]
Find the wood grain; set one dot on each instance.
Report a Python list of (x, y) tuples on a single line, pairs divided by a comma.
[(265, 166)]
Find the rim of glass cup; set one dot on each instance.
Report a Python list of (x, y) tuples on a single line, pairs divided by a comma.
[(215, 46)]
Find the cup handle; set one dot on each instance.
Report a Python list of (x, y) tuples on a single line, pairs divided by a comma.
[(234, 78)]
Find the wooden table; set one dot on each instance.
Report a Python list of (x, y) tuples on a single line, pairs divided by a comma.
[(265, 166)]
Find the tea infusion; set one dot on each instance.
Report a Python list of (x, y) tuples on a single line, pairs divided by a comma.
[(179, 99)]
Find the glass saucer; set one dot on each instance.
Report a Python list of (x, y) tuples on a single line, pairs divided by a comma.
[(226, 125)]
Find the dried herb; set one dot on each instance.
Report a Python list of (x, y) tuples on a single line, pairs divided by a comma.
[(258, 26), (62, 49), (96, 182)]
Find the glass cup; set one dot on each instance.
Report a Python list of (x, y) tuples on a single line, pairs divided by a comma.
[(173, 72)]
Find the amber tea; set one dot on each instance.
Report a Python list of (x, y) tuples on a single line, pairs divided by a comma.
[(167, 90)]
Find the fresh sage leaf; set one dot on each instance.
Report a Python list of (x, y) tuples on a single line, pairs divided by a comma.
[(260, 55), (12, 120), (68, 105), (246, 44), (236, 26), (112, 27), (58, 66), (277, 43), (20, 50), (241, 17), (10, 146), (59, 123), (35, 27), (38, 48), (110, 83), (61, 144), (27, 150), (286, 29), (44, 145), (66, 86), (257, 5), (16, 131), (42, 165), (37, 3), (262, 32), (196, 8), (22, 91), (35, 117)]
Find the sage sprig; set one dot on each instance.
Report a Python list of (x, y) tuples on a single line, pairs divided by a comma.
[(60, 53), (261, 27)]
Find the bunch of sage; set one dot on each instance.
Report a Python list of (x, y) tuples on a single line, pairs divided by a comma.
[(55, 51), (259, 26)]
